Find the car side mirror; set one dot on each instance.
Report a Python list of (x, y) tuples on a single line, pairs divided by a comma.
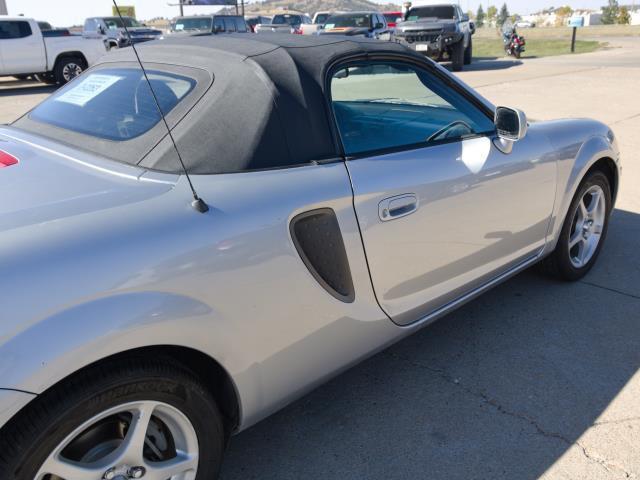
[(379, 25), (472, 27), (101, 30), (511, 126)]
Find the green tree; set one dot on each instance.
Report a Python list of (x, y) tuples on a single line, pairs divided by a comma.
[(610, 12), (624, 17), (480, 16), (503, 16), (562, 13), (492, 11)]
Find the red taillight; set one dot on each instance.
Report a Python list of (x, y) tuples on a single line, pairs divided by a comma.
[(7, 160)]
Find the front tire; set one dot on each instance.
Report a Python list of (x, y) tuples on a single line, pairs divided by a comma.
[(117, 418), (468, 53), (584, 230), (457, 56)]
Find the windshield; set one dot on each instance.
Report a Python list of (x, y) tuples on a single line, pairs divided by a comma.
[(321, 18), (113, 103), (193, 23), (114, 23), (350, 20), (442, 12), (286, 20), (393, 17)]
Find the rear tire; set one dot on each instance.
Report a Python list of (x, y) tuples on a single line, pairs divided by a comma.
[(468, 53), (457, 56), (584, 230), (68, 68), (98, 416)]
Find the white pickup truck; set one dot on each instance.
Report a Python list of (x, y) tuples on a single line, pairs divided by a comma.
[(25, 51)]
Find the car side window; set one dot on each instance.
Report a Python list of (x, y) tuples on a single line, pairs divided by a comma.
[(230, 25), (218, 25), (391, 105), (241, 25), (14, 29)]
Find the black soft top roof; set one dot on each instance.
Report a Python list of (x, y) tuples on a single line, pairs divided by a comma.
[(266, 107), (259, 102)]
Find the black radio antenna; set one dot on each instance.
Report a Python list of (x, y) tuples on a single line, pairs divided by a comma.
[(197, 203)]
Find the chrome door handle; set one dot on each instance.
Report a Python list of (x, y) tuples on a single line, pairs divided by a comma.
[(397, 207)]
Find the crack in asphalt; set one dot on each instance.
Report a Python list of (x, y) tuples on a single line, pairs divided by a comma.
[(631, 295), (588, 454)]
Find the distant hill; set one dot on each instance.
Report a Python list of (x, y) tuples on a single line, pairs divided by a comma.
[(311, 6)]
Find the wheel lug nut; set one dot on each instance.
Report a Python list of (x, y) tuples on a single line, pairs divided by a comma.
[(109, 474), (136, 472)]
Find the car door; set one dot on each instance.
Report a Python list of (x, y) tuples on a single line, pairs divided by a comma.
[(441, 209), (22, 48)]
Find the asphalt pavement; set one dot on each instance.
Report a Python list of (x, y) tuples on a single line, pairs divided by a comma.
[(535, 379)]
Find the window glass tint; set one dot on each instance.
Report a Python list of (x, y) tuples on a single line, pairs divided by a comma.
[(14, 29), (230, 24), (321, 18), (113, 23), (193, 23), (392, 17), (115, 104), (381, 106), (443, 12), (218, 24), (241, 25), (349, 20), (293, 20)]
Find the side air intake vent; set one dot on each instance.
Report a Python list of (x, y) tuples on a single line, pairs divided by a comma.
[(316, 235)]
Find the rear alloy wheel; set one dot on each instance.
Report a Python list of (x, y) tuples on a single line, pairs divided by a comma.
[(136, 420), (584, 229), (67, 69)]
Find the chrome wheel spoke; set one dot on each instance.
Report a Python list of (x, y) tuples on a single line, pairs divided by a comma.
[(132, 447), (146, 439), (67, 469), (588, 224), (182, 463)]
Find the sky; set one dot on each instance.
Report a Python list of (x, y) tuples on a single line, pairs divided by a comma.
[(63, 13)]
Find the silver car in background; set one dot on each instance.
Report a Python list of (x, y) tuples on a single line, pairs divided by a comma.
[(355, 192)]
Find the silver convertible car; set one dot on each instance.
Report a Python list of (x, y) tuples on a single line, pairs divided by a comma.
[(347, 193)]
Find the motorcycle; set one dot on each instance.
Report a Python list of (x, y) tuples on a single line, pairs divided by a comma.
[(513, 43)]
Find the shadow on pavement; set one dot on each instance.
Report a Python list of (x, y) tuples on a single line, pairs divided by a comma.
[(10, 89), (498, 389), (491, 63)]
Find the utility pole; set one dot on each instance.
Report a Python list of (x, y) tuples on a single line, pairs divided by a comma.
[(3, 7), (181, 9)]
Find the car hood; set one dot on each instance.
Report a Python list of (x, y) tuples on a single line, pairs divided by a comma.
[(427, 24), (345, 31), (44, 181)]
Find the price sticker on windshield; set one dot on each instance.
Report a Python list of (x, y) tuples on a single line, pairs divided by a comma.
[(87, 89)]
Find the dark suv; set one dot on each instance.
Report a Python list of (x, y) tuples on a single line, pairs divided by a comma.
[(438, 31), (112, 30), (210, 24)]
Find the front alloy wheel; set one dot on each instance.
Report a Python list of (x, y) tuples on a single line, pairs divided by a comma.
[(587, 226), (584, 229)]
